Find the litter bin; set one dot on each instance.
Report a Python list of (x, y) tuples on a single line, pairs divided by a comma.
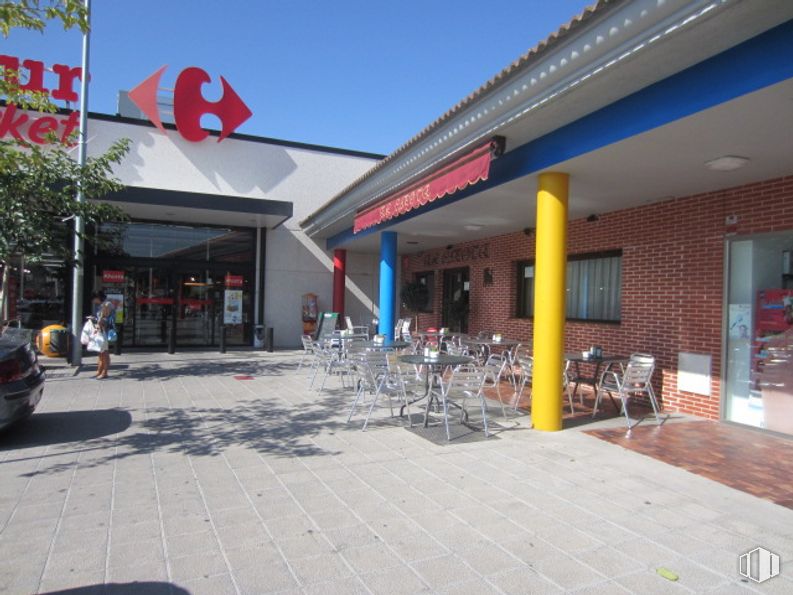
[(258, 336), (53, 340)]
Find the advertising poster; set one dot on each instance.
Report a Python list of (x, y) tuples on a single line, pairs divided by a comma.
[(740, 321), (232, 306), (117, 300)]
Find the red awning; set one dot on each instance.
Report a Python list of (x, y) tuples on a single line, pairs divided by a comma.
[(465, 171)]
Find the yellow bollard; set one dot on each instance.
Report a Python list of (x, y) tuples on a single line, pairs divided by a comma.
[(549, 301)]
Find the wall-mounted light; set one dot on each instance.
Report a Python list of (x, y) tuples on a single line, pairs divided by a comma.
[(487, 276), (727, 163), (592, 218)]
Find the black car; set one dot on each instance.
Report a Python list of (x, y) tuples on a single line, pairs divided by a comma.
[(21, 380)]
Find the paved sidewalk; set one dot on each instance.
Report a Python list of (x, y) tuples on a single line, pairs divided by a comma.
[(176, 477)]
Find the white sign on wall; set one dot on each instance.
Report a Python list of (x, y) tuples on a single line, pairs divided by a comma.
[(693, 373)]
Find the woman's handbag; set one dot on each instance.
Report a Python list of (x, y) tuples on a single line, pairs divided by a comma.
[(88, 331), (112, 336)]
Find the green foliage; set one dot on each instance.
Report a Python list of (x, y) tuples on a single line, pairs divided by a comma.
[(39, 184), (38, 191), (34, 14), (414, 296)]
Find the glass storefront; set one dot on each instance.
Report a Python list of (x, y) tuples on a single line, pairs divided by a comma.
[(177, 279), (37, 292), (759, 341)]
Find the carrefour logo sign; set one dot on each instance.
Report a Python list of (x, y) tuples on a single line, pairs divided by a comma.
[(189, 104)]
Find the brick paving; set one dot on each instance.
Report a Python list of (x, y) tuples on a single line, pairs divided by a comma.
[(725, 453), (176, 477)]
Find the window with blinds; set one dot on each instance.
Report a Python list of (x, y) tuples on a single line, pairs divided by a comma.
[(594, 283)]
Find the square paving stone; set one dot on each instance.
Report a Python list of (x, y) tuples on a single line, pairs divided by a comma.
[(442, 571), (320, 568)]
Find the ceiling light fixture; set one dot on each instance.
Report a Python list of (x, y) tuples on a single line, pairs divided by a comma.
[(727, 163), (473, 227)]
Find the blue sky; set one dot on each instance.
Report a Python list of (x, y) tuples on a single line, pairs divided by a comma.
[(358, 74)]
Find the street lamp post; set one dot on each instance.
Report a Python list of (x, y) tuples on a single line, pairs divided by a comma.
[(79, 224)]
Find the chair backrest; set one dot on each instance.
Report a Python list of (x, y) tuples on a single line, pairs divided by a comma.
[(526, 363), (467, 378), (398, 327), (639, 370)]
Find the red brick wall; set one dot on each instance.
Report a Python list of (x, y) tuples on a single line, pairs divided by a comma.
[(672, 278)]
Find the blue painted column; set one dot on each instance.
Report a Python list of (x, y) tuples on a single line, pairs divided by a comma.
[(388, 280)]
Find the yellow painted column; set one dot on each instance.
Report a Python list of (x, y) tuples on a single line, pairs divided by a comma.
[(550, 272)]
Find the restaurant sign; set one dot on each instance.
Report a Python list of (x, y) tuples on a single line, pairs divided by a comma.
[(465, 171), (457, 255)]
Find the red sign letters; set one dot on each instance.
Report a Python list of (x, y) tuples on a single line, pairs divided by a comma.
[(112, 276), (234, 280), (17, 123), (189, 104)]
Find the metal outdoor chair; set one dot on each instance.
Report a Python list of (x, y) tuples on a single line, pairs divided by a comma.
[(308, 350), (526, 363), (634, 381), (466, 382), (356, 329), (495, 368)]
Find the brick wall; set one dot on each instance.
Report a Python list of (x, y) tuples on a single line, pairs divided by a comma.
[(672, 278)]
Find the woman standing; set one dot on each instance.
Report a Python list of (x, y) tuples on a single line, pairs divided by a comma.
[(104, 315)]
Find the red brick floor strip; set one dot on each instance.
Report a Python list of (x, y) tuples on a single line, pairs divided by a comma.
[(747, 460)]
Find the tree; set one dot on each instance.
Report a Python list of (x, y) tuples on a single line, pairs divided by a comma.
[(39, 184), (414, 297)]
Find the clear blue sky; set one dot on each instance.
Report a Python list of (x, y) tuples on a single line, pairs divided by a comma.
[(358, 74)]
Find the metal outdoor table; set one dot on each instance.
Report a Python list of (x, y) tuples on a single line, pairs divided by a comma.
[(577, 358), (434, 366), (386, 345)]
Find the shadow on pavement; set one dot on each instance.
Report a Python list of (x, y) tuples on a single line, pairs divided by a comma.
[(142, 588), (44, 429), (202, 367), (263, 425)]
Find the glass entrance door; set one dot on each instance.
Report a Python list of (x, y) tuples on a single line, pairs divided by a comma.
[(153, 307), (198, 309), (759, 342), (455, 299)]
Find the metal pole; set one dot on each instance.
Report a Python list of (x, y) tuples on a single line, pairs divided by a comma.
[(79, 224)]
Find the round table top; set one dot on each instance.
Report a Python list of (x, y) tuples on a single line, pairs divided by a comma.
[(386, 345), (441, 360), (491, 342)]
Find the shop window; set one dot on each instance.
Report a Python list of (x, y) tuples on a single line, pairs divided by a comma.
[(525, 289), (594, 287), (178, 242), (427, 279)]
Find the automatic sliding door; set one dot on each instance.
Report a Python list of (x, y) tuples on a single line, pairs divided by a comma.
[(153, 307)]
